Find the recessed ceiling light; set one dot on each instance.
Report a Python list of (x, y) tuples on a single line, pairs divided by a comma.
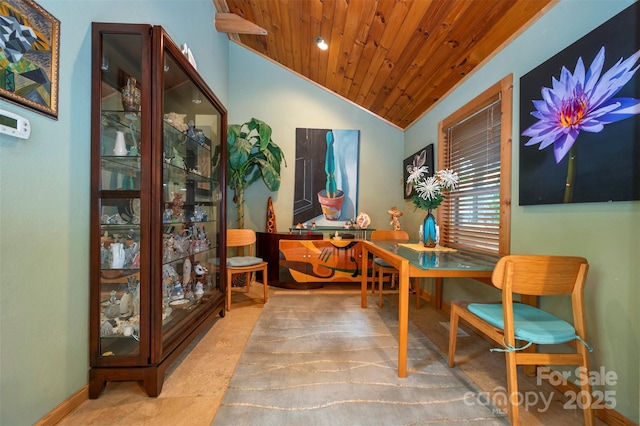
[(322, 44)]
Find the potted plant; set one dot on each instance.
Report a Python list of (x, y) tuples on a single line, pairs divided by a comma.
[(330, 198), (252, 154)]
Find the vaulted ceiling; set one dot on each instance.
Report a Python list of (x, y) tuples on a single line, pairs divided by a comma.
[(394, 58)]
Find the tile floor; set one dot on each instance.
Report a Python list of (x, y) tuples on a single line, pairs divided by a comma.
[(195, 383)]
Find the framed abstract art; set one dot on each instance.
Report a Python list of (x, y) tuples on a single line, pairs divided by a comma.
[(29, 55)]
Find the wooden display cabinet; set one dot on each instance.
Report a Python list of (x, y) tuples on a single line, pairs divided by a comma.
[(157, 205)]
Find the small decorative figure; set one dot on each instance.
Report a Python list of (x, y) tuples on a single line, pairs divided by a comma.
[(313, 224), (176, 120), (395, 218), (186, 280), (113, 310), (271, 218), (177, 160), (178, 202), (177, 292), (201, 281), (191, 130), (166, 216)]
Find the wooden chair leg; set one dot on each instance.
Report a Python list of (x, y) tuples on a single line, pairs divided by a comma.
[(416, 282), (264, 284), (229, 278), (586, 395), (373, 278), (248, 277), (380, 279), (512, 389), (453, 333)]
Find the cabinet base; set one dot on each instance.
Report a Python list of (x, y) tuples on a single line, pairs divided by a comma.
[(152, 378)]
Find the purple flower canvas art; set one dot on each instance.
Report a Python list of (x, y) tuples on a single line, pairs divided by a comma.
[(582, 101), (584, 123)]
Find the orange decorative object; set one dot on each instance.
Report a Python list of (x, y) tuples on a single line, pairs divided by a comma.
[(395, 218), (271, 218)]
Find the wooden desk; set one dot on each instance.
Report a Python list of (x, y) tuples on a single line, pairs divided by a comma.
[(433, 264)]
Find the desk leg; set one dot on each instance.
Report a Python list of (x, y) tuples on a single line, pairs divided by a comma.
[(365, 276), (438, 295), (403, 318)]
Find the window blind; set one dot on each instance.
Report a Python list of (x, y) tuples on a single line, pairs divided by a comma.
[(470, 216)]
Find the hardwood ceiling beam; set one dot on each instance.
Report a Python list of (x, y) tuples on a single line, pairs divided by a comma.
[(234, 24)]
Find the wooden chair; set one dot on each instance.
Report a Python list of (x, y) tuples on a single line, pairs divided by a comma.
[(247, 264), (508, 322), (380, 267)]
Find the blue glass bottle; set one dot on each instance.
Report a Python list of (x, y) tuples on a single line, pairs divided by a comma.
[(429, 230)]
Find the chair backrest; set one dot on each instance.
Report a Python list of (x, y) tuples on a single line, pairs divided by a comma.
[(381, 235), (540, 275), (241, 237)]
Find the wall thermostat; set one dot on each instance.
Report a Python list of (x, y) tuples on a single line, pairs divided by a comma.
[(14, 125)]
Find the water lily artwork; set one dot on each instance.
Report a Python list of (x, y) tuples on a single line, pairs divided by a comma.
[(580, 118)]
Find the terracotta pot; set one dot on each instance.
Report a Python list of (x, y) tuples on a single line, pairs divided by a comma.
[(331, 207)]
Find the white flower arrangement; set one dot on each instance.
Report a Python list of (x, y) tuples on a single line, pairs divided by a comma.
[(429, 189)]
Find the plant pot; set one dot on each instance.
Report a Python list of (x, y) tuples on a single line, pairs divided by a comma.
[(331, 207)]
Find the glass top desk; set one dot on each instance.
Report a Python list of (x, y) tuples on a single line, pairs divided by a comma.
[(434, 264)]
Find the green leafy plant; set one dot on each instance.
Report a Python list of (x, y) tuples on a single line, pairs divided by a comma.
[(252, 155)]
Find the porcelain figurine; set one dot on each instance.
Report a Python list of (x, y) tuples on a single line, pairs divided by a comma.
[(116, 255), (395, 218)]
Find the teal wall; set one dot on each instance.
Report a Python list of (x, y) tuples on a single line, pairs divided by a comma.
[(607, 234), (259, 88), (44, 207), (44, 192)]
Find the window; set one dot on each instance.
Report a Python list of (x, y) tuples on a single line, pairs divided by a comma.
[(475, 142)]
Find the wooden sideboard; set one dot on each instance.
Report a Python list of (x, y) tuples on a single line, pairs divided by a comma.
[(268, 248), (306, 261)]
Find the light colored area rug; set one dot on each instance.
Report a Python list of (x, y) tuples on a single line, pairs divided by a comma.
[(323, 360)]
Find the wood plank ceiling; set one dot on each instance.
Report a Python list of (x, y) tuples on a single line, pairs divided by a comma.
[(394, 58)]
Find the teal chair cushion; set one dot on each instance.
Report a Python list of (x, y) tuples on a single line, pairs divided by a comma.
[(382, 263), (240, 261), (530, 324)]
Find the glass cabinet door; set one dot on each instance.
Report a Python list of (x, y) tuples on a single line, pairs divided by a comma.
[(120, 214), (157, 205), (191, 198)]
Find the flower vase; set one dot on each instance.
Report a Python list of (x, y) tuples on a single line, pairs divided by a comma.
[(429, 237), (120, 147)]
